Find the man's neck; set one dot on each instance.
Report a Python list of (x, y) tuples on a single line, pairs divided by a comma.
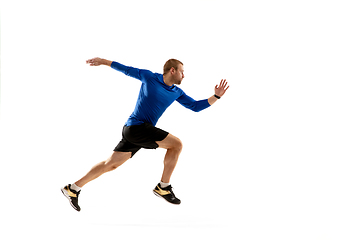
[(167, 80)]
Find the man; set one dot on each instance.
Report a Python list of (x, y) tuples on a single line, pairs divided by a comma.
[(157, 92)]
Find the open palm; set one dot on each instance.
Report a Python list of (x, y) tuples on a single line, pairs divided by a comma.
[(221, 89)]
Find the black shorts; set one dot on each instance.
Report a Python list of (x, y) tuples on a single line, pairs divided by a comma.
[(140, 136)]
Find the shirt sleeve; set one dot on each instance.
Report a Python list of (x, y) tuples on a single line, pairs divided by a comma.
[(190, 103), (129, 71)]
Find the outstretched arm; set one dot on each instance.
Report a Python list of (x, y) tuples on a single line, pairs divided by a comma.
[(197, 106), (219, 91), (98, 61), (129, 71)]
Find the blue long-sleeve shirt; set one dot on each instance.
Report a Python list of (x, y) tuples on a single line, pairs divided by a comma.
[(155, 96)]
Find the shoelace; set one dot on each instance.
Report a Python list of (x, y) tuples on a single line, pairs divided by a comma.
[(170, 188)]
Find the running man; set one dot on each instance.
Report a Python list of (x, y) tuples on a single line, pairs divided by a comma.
[(157, 93)]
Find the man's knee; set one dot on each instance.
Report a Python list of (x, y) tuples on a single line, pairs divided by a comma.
[(177, 145), (171, 143)]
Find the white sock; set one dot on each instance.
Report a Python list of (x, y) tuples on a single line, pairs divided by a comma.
[(164, 185), (74, 187)]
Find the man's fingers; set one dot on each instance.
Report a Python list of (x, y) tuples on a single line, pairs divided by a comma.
[(223, 83), (92, 61)]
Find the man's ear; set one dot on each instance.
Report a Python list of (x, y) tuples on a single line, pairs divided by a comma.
[(172, 70)]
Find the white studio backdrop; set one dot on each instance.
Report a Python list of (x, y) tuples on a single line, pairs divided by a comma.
[(276, 158)]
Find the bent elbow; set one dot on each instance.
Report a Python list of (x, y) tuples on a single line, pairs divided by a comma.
[(196, 109)]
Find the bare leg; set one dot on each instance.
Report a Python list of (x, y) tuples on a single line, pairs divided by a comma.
[(174, 147), (116, 160)]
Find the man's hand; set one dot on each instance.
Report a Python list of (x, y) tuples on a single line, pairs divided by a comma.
[(220, 90), (98, 61)]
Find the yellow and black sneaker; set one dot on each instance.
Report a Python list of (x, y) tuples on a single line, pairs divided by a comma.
[(167, 194), (72, 196)]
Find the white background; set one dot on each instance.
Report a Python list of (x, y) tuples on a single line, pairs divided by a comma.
[(276, 158)]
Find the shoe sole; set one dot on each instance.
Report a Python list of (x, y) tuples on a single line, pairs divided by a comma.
[(68, 198), (164, 198)]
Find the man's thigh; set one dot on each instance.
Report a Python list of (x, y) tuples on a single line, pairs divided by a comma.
[(170, 142), (118, 158)]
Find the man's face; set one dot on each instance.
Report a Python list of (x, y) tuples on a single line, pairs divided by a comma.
[(179, 74)]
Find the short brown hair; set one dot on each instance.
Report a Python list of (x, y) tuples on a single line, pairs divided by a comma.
[(171, 63)]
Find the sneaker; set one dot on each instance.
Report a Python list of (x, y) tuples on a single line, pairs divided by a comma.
[(72, 195), (167, 194)]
